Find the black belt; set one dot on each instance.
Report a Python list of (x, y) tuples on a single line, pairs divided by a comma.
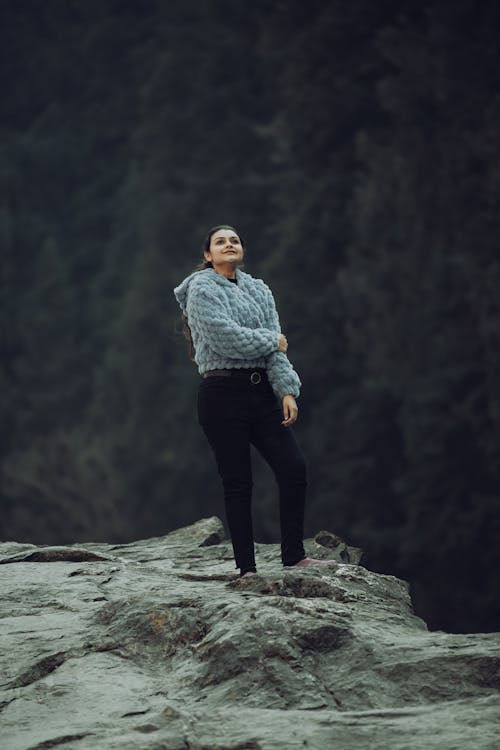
[(254, 376)]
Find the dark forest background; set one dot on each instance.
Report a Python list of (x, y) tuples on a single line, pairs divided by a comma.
[(356, 148)]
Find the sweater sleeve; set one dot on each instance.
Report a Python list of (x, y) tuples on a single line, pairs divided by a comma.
[(283, 378), (209, 318)]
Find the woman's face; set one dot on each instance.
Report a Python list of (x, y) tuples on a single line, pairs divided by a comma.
[(225, 247)]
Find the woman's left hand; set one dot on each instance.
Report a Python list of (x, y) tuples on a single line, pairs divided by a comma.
[(290, 410)]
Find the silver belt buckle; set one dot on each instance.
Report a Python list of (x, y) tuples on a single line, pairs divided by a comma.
[(255, 378)]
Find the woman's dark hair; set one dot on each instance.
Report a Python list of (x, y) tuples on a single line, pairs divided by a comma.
[(200, 267)]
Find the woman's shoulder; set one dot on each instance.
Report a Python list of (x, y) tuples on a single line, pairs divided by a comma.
[(253, 282), (207, 279)]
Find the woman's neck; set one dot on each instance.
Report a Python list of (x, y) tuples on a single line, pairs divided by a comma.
[(230, 274)]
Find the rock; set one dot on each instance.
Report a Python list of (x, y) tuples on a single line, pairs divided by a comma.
[(343, 552), (159, 644), (54, 554), (204, 533)]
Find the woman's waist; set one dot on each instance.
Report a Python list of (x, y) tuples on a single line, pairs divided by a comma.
[(252, 375)]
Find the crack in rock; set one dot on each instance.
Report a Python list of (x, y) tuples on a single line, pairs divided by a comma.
[(324, 639), (40, 669), (56, 554), (62, 740)]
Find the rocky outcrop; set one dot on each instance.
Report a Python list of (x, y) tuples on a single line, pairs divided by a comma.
[(158, 645)]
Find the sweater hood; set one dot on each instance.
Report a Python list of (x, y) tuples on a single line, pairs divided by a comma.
[(206, 278)]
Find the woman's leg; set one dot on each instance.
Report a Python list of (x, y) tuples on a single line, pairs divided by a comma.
[(224, 416), (279, 447)]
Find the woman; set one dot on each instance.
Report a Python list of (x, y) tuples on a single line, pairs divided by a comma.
[(247, 393)]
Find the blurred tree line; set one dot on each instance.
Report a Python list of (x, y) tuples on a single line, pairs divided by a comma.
[(356, 148)]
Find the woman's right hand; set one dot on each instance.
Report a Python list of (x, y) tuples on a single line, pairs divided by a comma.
[(283, 343)]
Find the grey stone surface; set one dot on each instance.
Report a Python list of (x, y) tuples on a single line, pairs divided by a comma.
[(158, 645)]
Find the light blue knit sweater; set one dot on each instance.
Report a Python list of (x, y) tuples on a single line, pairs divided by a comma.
[(235, 325)]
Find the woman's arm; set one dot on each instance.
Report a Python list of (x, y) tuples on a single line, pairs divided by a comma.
[(283, 378), (209, 319)]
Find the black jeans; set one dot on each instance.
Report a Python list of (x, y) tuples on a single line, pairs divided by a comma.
[(233, 413)]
